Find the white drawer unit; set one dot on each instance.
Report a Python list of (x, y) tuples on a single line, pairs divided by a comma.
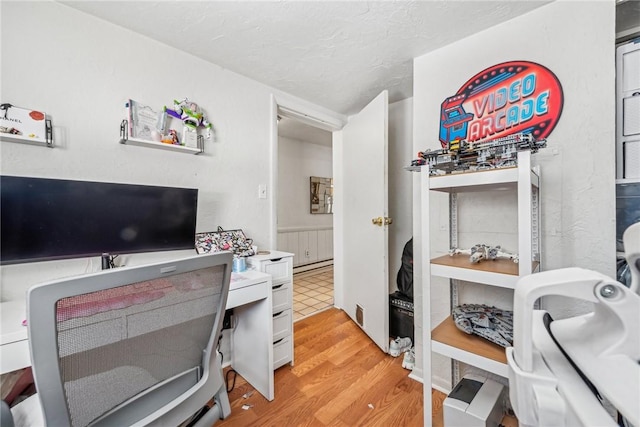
[(280, 266), (281, 352), (280, 269), (282, 324), (282, 296)]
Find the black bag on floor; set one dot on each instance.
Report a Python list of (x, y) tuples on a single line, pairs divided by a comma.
[(404, 280)]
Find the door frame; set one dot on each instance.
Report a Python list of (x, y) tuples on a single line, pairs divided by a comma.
[(319, 117)]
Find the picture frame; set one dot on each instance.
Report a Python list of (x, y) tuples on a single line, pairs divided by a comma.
[(144, 121)]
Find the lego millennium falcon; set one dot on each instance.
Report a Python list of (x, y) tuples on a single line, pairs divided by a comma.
[(487, 322)]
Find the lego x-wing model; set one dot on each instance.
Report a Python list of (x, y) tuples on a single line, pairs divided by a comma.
[(479, 252), (560, 369)]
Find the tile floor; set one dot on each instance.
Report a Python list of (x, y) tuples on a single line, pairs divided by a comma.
[(312, 291)]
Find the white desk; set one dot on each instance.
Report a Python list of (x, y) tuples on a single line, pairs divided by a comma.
[(249, 296), (14, 344), (252, 340)]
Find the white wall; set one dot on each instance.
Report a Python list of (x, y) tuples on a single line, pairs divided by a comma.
[(80, 70), (297, 162), (575, 40)]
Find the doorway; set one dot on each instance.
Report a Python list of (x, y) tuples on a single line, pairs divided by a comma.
[(305, 159), (312, 292)]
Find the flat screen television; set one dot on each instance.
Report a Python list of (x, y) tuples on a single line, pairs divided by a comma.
[(47, 219)]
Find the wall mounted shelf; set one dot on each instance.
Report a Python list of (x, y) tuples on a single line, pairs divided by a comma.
[(124, 139), (46, 142)]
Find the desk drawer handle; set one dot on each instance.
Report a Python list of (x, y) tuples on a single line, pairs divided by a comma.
[(276, 342), (278, 314), (277, 286)]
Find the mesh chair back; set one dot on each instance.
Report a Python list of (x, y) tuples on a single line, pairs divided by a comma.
[(119, 344)]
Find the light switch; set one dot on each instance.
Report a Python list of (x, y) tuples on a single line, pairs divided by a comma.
[(262, 191)]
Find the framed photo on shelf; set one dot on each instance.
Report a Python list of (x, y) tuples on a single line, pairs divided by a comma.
[(144, 121), (23, 122)]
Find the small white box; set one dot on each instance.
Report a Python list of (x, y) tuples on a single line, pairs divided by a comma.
[(474, 402)]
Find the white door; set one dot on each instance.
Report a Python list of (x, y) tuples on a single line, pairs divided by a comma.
[(365, 244)]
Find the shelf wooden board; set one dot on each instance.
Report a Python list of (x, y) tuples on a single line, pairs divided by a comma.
[(25, 139), (501, 272), (449, 341), (484, 180), (498, 266), (160, 145)]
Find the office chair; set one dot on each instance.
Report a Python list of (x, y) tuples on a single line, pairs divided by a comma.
[(132, 345)]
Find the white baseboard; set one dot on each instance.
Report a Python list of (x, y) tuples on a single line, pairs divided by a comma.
[(307, 267), (416, 375)]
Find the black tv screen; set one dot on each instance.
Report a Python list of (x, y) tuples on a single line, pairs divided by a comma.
[(46, 219)]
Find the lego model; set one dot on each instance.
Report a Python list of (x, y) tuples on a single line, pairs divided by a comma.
[(490, 323), (461, 156), (480, 252)]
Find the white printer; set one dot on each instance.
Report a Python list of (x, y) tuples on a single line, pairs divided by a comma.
[(474, 402)]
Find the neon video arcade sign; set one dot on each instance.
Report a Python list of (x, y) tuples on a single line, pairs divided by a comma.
[(502, 100)]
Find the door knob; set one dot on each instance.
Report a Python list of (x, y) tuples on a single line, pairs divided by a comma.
[(379, 221)]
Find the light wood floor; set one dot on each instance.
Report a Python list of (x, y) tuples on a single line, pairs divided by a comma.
[(340, 378)]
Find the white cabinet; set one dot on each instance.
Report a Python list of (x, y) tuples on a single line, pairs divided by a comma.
[(444, 338), (280, 266)]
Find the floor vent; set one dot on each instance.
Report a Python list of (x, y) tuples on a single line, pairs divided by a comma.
[(360, 315)]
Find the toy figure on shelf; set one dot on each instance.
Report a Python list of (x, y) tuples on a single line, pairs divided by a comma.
[(171, 137), (487, 322), (479, 252), (190, 114)]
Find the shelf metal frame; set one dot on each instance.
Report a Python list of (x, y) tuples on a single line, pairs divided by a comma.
[(526, 181)]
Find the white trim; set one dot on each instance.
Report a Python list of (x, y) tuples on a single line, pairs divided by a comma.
[(416, 375), (272, 193), (441, 389), (307, 267), (312, 115), (304, 228)]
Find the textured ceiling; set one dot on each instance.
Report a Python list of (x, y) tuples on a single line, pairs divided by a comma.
[(336, 54)]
